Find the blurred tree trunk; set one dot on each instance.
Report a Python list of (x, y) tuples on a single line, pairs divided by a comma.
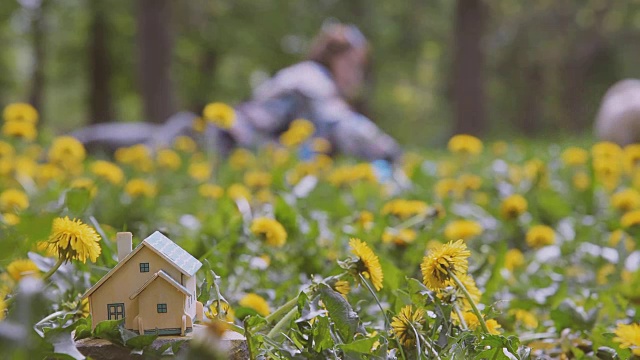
[(576, 71), (468, 65), (38, 38), (207, 69), (154, 59), (530, 114), (100, 100)]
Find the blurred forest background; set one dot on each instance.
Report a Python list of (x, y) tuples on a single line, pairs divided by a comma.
[(493, 68)]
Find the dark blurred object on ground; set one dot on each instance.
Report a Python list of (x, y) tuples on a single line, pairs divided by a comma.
[(618, 119), (320, 89)]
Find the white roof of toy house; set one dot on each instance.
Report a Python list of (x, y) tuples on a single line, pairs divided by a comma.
[(165, 248)]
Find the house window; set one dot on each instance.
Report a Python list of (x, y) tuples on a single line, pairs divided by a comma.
[(115, 311), (162, 308), (144, 267)]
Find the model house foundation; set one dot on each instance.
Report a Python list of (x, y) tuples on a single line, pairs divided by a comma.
[(153, 288)]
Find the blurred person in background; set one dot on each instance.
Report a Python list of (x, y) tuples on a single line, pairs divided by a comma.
[(321, 89), (618, 119)]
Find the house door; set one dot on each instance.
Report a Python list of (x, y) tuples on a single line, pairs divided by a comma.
[(115, 311)]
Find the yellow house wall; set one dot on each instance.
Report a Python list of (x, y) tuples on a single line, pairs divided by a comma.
[(161, 292), (124, 282)]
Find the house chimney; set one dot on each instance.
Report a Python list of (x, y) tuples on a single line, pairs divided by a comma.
[(124, 240)]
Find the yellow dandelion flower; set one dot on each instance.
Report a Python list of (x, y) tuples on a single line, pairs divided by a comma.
[(280, 156), (7, 152), (602, 276), (575, 156), (513, 206), (446, 188), (212, 311), (140, 188), (270, 230), (368, 264), (513, 259), (25, 167), (299, 131), (462, 229), (631, 157), (618, 235), (468, 182), (255, 302), (436, 265), (84, 307), (406, 324), (539, 236), (66, 151), (536, 170), (200, 170), (220, 114), (238, 191), (13, 200), (185, 144), (168, 159), (20, 112), (365, 219), (23, 130), (403, 209), (199, 124), (264, 196), (74, 240), (629, 337), (258, 179), (241, 159), (3, 308), (493, 326), (581, 181), (526, 318), (137, 156), (47, 173), (606, 150), (342, 286), (626, 200), (107, 171), (10, 219), (20, 268), (348, 175), (465, 144), (631, 218), (6, 166), (473, 323), (471, 320), (401, 237), (210, 191)]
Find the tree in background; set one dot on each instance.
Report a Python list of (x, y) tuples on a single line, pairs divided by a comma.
[(38, 10), (468, 68), (99, 64), (155, 49)]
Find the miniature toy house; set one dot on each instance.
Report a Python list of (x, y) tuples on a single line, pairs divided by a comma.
[(153, 288)]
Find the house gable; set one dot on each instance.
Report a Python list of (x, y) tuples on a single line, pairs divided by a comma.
[(160, 275), (161, 307)]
